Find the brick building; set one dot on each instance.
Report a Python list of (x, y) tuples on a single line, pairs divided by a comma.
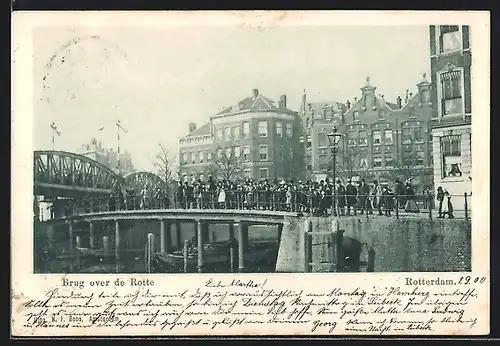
[(253, 139), (450, 56), (107, 157), (380, 140)]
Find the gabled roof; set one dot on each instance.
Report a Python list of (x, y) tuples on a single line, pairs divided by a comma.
[(250, 103), (203, 130), (318, 107)]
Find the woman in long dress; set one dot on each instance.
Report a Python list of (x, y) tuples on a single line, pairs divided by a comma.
[(222, 197)]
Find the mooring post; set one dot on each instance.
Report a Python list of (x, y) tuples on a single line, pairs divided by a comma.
[(91, 236), (397, 206), (308, 252), (340, 250), (201, 247), (429, 204), (331, 251), (78, 246), (185, 252), (371, 261), (150, 248), (106, 248)]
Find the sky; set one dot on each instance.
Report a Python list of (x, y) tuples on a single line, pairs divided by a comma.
[(157, 80)]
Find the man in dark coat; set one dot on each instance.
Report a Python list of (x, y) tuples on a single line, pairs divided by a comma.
[(341, 192), (351, 197)]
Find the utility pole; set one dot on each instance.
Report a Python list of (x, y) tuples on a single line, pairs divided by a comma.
[(118, 128), (54, 132)]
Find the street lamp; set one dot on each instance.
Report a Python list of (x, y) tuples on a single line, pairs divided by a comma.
[(334, 138)]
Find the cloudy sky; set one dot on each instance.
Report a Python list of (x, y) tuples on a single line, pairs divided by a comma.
[(157, 80)]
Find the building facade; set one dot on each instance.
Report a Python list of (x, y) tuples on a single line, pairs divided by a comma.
[(380, 140), (107, 157), (253, 139), (451, 60)]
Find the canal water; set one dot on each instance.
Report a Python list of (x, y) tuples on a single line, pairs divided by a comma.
[(53, 253)]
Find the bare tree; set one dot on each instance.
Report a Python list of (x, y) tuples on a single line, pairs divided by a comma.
[(165, 165), (348, 163), (227, 163), (287, 163), (409, 167)]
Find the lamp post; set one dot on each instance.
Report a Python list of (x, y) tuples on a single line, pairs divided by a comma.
[(334, 138)]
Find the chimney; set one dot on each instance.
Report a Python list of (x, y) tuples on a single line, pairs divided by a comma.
[(348, 104), (192, 127), (282, 103), (255, 93), (399, 102)]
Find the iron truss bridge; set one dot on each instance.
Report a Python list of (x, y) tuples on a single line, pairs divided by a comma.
[(65, 174)]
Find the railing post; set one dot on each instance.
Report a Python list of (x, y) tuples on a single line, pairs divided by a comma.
[(232, 254), (201, 246), (331, 250), (466, 207), (117, 246)]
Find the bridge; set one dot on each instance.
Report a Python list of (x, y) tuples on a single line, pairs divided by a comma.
[(66, 174)]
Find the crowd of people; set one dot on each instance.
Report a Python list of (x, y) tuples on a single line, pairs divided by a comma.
[(312, 197)]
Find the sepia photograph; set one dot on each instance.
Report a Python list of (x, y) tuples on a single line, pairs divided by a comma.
[(224, 150)]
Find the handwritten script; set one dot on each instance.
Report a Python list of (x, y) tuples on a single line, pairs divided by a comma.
[(223, 306)]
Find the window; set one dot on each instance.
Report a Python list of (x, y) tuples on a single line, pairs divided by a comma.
[(355, 116), (228, 153), (200, 156), (219, 154), (388, 160), (263, 152), (263, 128), (449, 38), (237, 151), (420, 155), (308, 122), (388, 137), (246, 129), (246, 153), (289, 130), (193, 161), (279, 129), (406, 135), (322, 139), (451, 92), (236, 132), (418, 133), (262, 173), (377, 137), (452, 156), (209, 156), (309, 142), (363, 162), (377, 162), (219, 133), (227, 133), (184, 158), (351, 139), (246, 173), (363, 138)]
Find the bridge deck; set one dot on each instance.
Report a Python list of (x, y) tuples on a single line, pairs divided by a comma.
[(207, 215)]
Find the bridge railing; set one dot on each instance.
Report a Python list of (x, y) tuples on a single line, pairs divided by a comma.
[(314, 204)]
